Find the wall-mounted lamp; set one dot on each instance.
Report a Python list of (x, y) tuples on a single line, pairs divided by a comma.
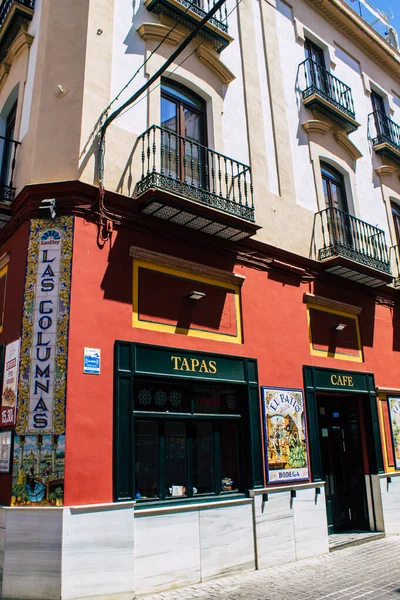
[(340, 327), (47, 208), (196, 295), (293, 493)]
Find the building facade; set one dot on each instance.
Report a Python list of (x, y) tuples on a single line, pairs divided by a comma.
[(198, 290)]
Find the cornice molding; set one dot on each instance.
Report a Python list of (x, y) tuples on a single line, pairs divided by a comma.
[(329, 303), (316, 126), (342, 139), (211, 59), (167, 260), (347, 21), (4, 260), (22, 40), (158, 31)]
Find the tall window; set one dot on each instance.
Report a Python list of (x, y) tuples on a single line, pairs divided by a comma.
[(7, 147), (187, 438), (316, 65), (396, 220), (183, 126), (334, 189), (338, 221), (380, 117)]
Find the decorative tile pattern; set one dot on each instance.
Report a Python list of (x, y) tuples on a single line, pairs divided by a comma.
[(47, 282)]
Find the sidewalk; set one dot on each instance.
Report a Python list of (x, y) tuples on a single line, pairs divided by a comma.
[(371, 570)]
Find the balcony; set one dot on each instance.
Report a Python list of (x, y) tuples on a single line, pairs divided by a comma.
[(353, 249), (189, 184), (191, 12), (325, 93), (385, 135), (13, 15)]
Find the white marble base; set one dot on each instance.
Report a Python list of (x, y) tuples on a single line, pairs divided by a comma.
[(274, 530), (226, 541), (387, 498), (167, 551), (310, 523), (290, 528), (32, 555), (98, 552)]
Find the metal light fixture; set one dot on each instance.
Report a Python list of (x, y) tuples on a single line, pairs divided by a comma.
[(47, 208), (340, 327), (196, 295)]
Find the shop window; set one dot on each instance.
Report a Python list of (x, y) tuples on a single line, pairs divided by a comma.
[(187, 439), (334, 334)]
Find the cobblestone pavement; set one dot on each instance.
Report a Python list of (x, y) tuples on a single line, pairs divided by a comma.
[(371, 570)]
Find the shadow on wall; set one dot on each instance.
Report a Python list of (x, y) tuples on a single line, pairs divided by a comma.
[(367, 304)]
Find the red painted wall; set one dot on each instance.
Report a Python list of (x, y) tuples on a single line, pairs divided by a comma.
[(275, 332), (16, 247)]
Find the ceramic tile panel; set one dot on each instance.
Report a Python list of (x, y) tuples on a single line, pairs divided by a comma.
[(167, 551), (274, 529), (32, 562), (390, 496), (226, 540), (98, 552), (310, 524)]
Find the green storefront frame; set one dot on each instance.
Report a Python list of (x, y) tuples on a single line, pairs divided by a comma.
[(133, 359), (319, 379)]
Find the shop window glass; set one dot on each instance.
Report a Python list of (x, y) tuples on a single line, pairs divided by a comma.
[(187, 448), (203, 454), (146, 458), (229, 456), (175, 459)]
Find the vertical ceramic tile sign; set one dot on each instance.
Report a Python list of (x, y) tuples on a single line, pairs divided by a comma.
[(394, 411), (285, 435), (10, 384), (38, 461)]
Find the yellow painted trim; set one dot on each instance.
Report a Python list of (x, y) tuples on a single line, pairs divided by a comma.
[(162, 327), (383, 398), (336, 355), (3, 273)]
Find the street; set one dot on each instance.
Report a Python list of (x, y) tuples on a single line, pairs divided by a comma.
[(370, 570)]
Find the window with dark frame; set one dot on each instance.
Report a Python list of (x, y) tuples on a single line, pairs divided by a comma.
[(183, 117), (316, 65), (396, 220), (187, 438)]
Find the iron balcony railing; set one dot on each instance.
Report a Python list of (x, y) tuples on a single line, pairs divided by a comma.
[(8, 150), (384, 129), (182, 166), (7, 4), (347, 236), (319, 81), (202, 7)]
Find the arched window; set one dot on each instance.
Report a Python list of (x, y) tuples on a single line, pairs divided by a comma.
[(183, 123), (8, 147), (334, 188)]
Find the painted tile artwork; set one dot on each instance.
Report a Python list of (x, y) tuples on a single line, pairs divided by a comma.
[(38, 473), (394, 411), (39, 446), (285, 435)]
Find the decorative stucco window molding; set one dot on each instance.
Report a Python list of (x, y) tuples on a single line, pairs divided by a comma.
[(329, 303), (22, 40)]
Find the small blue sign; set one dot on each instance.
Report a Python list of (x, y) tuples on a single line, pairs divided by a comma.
[(91, 361)]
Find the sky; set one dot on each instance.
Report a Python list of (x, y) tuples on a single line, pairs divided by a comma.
[(389, 7)]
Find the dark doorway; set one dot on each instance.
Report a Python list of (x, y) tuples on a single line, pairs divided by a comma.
[(340, 432)]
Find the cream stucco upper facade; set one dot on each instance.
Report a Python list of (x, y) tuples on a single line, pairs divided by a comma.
[(67, 67)]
